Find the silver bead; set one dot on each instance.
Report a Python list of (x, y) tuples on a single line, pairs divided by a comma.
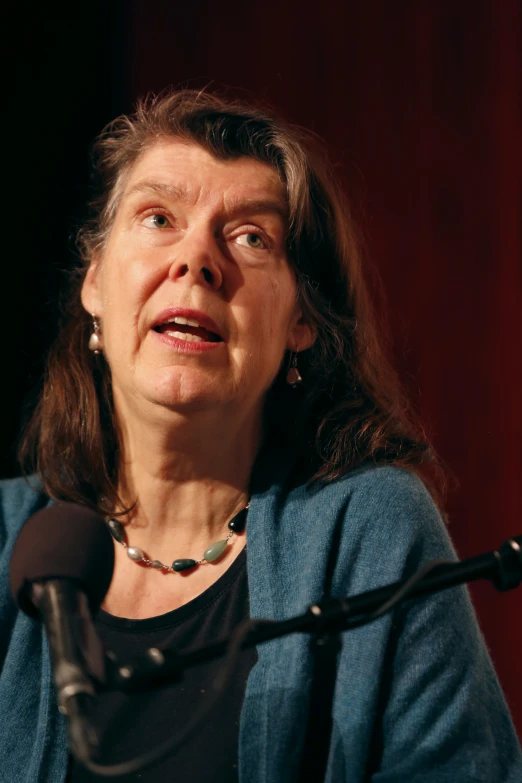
[(135, 553), (157, 564), (155, 655)]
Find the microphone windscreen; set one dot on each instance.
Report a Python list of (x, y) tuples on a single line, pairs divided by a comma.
[(62, 541)]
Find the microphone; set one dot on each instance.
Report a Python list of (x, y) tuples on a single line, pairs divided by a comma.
[(60, 571)]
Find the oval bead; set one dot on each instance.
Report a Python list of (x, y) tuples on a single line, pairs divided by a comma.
[(157, 564), (183, 565), (117, 530), (135, 553), (237, 523), (215, 551)]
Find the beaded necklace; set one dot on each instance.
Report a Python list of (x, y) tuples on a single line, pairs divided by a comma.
[(235, 526)]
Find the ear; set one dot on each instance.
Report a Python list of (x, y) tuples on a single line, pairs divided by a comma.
[(91, 293), (301, 335)]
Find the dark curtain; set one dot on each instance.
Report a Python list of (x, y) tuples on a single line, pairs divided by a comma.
[(420, 104)]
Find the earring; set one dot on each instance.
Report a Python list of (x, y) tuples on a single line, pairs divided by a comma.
[(95, 340), (293, 376)]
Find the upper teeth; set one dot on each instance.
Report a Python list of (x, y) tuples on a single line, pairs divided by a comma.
[(178, 319)]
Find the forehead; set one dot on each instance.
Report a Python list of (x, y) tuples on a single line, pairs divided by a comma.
[(193, 174)]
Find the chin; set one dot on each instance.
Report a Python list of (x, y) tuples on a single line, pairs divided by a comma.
[(184, 391)]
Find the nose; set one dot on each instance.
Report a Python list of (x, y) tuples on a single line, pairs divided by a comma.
[(197, 256)]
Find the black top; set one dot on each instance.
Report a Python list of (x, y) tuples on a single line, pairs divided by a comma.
[(131, 724)]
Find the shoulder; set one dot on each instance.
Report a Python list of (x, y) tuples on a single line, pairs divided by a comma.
[(394, 496), (380, 501), (19, 498), (372, 526), (381, 523), (381, 484)]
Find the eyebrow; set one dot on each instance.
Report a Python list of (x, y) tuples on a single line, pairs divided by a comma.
[(161, 188), (239, 205)]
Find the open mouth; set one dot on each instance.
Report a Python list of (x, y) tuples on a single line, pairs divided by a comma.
[(187, 329)]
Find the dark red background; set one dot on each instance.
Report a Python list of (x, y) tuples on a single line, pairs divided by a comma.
[(420, 104)]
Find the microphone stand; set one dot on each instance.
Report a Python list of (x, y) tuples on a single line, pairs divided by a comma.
[(326, 620)]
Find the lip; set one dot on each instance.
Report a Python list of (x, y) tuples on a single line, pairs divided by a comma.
[(196, 315), (184, 346)]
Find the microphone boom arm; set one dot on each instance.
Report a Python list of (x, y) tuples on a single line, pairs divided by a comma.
[(503, 567)]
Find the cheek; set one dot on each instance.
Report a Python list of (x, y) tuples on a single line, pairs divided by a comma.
[(128, 282), (283, 298), (273, 311)]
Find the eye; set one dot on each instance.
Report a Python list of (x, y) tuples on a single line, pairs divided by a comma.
[(157, 220), (252, 240)]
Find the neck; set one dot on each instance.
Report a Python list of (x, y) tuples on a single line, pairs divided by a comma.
[(186, 480)]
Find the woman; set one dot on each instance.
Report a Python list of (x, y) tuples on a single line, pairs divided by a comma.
[(219, 363)]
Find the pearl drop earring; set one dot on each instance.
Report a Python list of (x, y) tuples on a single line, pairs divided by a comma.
[(95, 340)]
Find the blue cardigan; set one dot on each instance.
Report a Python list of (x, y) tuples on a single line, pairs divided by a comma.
[(416, 697)]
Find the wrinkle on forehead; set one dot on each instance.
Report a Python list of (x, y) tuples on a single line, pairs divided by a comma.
[(160, 171), (234, 204)]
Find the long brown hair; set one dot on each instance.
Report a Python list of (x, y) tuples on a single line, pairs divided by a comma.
[(350, 409)]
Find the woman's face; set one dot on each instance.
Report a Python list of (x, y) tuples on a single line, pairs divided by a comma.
[(193, 239)]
